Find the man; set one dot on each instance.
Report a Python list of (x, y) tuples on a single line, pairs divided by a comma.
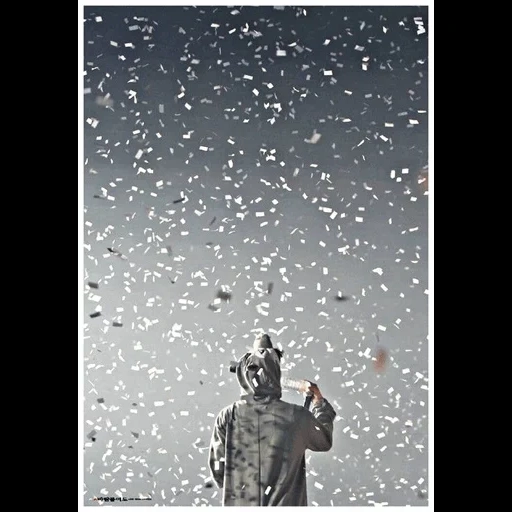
[(258, 444)]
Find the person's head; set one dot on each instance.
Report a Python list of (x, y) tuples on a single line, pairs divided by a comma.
[(259, 371)]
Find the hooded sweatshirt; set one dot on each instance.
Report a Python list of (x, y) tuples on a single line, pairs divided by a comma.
[(258, 444)]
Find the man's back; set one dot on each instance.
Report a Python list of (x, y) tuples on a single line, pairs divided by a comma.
[(265, 447)]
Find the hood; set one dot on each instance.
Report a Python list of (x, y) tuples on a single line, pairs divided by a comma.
[(259, 374)]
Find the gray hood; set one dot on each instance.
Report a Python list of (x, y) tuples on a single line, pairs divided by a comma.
[(259, 375)]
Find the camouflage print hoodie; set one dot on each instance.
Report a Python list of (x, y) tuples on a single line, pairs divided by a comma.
[(258, 444)]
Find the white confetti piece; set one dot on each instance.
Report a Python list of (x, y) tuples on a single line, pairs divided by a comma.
[(93, 122), (314, 138)]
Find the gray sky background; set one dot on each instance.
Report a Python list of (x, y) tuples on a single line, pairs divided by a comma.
[(218, 107)]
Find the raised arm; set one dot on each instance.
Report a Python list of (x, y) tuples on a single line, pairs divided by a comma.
[(320, 422)]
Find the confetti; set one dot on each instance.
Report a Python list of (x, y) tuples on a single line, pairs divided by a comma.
[(314, 138), (223, 295), (198, 173)]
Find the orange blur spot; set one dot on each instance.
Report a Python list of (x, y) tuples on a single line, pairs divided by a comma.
[(380, 360)]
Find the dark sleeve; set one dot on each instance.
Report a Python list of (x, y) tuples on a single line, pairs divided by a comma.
[(320, 426), (218, 448)]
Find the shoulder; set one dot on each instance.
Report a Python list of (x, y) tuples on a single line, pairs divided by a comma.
[(225, 414), (295, 409)]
